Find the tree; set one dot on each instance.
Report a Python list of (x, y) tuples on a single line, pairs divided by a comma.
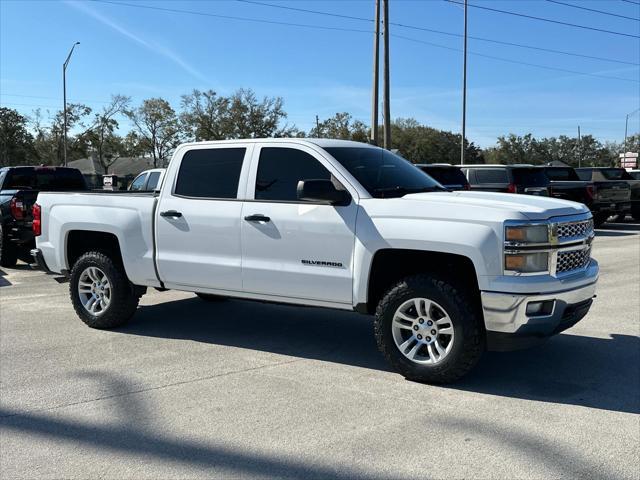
[(157, 127), (421, 144), (48, 141), (207, 116), (342, 126), (16, 143), (101, 136)]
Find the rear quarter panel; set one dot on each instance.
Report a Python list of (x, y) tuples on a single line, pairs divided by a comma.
[(127, 216)]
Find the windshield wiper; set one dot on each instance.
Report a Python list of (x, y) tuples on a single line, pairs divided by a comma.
[(400, 191)]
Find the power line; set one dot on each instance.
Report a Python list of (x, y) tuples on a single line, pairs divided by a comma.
[(631, 2), (594, 10), (439, 32), (231, 17), (502, 59), (172, 10), (549, 20)]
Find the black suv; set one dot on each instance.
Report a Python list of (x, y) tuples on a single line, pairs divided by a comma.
[(448, 176), (19, 187), (527, 179)]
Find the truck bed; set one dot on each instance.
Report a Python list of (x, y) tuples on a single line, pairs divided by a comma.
[(129, 216)]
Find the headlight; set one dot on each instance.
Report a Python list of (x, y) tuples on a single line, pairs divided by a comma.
[(535, 262), (527, 234)]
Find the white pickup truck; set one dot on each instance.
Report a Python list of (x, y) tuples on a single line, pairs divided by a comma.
[(336, 224)]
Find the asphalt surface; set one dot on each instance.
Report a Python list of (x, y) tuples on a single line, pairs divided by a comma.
[(238, 389)]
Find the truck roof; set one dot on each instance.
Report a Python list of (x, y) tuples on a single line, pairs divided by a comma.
[(320, 142)]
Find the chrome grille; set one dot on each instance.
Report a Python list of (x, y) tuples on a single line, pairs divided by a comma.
[(575, 229), (573, 260)]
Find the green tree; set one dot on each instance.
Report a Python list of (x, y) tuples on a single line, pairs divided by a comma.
[(16, 143), (208, 116), (157, 129), (341, 126), (101, 136)]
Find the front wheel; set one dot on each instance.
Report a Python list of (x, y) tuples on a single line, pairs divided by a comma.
[(429, 330), (102, 295)]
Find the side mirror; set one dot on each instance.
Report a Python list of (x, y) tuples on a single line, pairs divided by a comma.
[(322, 191)]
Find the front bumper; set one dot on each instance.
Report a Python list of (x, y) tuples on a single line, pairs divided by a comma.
[(510, 327)]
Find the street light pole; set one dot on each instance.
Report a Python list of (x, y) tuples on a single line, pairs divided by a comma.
[(373, 137), (387, 96), (464, 87), (64, 96)]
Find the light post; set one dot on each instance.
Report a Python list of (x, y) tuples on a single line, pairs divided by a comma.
[(464, 87), (64, 96), (626, 127)]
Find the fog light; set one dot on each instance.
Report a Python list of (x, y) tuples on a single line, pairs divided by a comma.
[(537, 309)]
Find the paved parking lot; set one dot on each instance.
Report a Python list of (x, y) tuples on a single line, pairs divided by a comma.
[(240, 389)]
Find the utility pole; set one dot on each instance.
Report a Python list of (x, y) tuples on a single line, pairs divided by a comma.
[(317, 126), (464, 88), (376, 72), (64, 99), (626, 128), (387, 106), (579, 148)]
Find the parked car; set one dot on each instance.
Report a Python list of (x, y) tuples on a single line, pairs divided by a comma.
[(526, 179), (448, 176), (604, 199), (148, 181), (336, 224), (619, 178), (19, 187)]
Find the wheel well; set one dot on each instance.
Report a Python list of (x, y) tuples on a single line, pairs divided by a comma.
[(389, 266), (80, 242)]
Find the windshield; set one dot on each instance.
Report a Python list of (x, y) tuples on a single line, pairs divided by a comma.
[(382, 173), (44, 178), (534, 177)]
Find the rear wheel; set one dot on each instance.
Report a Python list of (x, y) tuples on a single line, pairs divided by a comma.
[(102, 295), (210, 297), (8, 251), (429, 330)]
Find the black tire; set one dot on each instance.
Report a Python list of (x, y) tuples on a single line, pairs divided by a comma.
[(208, 297), (469, 335), (8, 252), (124, 296), (599, 219)]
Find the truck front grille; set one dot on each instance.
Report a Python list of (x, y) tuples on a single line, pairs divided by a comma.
[(575, 229), (573, 260)]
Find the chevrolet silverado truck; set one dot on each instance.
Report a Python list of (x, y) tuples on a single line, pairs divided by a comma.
[(335, 224)]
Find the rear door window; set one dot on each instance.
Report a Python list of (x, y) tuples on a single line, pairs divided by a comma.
[(616, 174), (584, 174), (491, 175), (210, 173)]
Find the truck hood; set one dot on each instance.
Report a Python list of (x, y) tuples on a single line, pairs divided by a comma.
[(483, 206)]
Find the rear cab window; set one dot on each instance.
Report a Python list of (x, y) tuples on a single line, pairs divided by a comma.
[(491, 175), (210, 173), (530, 176), (446, 175), (45, 179), (562, 174)]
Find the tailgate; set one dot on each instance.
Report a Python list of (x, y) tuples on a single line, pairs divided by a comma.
[(26, 198), (613, 191)]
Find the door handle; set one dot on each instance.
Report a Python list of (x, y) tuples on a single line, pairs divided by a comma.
[(257, 218), (171, 213)]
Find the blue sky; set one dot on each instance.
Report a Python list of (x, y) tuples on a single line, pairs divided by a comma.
[(145, 53)]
